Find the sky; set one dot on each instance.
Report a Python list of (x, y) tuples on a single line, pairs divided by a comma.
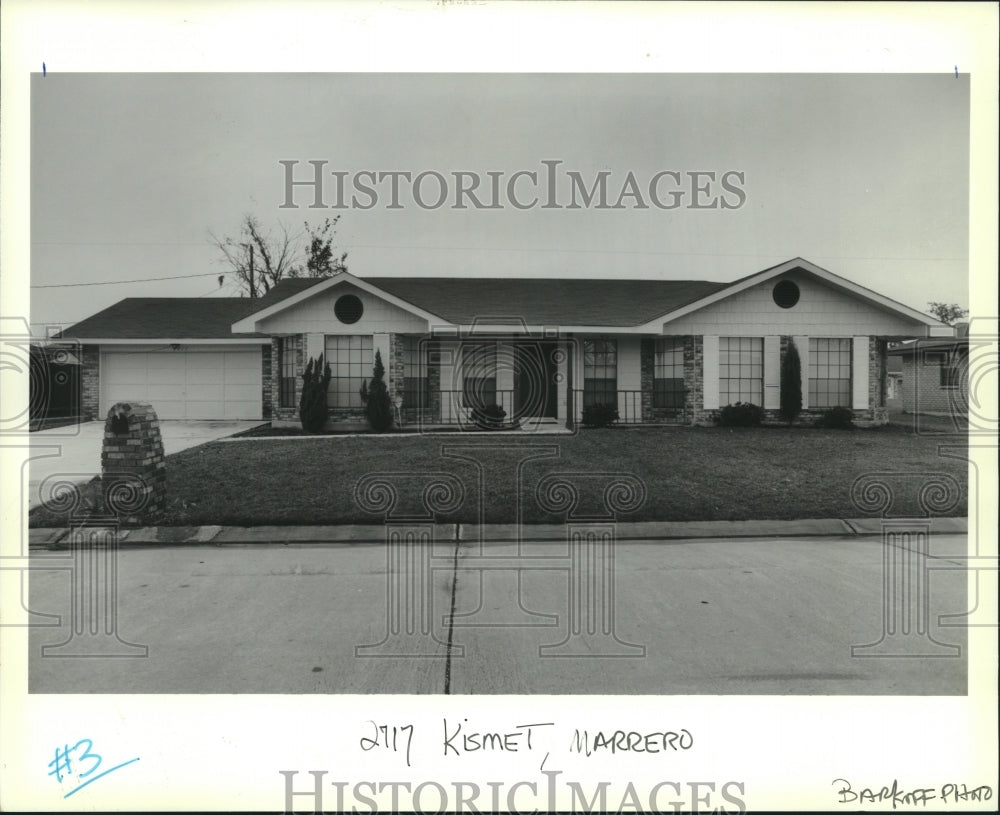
[(865, 175)]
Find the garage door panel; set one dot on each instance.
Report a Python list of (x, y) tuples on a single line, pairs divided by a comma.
[(168, 408), (242, 410), (205, 409), (185, 384), (201, 376), (164, 393), (242, 377), (205, 393), (242, 393)]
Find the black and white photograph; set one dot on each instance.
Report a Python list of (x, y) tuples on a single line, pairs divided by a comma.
[(545, 423)]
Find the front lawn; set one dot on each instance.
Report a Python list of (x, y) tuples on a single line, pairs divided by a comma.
[(689, 474)]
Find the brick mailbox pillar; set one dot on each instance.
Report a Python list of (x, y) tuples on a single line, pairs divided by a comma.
[(133, 472)]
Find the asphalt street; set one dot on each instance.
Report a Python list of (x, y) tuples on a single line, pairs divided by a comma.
[(706, 616)]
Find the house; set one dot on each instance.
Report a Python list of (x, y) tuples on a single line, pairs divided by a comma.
[(935, 374), (894, 381), (53, 384), (662, 351)]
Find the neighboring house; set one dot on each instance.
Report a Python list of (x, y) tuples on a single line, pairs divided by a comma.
[(53, 384), (935, 374), (662, 351)]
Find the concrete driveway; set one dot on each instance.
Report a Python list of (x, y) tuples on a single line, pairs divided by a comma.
[(75, 452)]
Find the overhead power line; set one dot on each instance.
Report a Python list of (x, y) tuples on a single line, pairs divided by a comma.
[(117, 282)]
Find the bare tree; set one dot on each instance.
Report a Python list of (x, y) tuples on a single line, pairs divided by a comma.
[(260, 259), (947, 313)]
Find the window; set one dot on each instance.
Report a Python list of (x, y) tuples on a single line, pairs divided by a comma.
[(479, 372), (741, 370), (286, 372), (668, 373), (785, 293), (829, 372), (348, 309), (415, 352), (351, 360), (600, 372)]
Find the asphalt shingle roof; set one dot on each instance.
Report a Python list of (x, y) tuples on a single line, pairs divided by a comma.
[(547, 301), (139, 318), (537, 301)]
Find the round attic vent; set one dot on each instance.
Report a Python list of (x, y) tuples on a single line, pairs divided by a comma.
[(785, 293), (348, 309)]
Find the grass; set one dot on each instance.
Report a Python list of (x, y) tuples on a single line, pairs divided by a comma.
[(689, 474)]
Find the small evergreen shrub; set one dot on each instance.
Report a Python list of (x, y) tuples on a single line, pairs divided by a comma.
[(489, 417), (791, 383), (600, 415), (837, 418), (312, 404), (375, 398), (742, 414)]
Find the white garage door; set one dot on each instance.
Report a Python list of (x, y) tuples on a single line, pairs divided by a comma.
[(185, 384)]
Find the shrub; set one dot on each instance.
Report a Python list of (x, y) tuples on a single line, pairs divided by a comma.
[(600, 415), (791, 383), (375, 397), (489, 417), (838, 418), (742, 414), (312, 405)]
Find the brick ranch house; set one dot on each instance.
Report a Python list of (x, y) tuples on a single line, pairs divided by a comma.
[(663, 351), (935, 374)]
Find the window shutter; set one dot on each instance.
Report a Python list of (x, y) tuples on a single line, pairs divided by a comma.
[(859, 373), (772, 373), (710, 369)]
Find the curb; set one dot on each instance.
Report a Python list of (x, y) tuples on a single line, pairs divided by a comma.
[(498, 533)]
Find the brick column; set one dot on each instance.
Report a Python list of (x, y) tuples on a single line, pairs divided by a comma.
[(694, 377), (877, 366), (267, 379), (647, 353), (90, 383), (395, 366), (133, 472)]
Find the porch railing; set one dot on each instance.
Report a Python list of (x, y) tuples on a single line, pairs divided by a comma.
[(450, 407), (454, 407), (629, 404)]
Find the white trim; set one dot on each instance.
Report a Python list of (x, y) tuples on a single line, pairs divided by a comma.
[(710, 371), (859, 373), (772, 372), (250, 323), (658, 325)]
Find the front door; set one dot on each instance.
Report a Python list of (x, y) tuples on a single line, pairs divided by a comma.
[(535, 370)]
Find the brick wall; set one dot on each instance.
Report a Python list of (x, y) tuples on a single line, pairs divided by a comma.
[(647, 372), (922, 389), (294, 344), (267, 386), (877, 371), (90, 383), (694, 378), (395, 366)]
